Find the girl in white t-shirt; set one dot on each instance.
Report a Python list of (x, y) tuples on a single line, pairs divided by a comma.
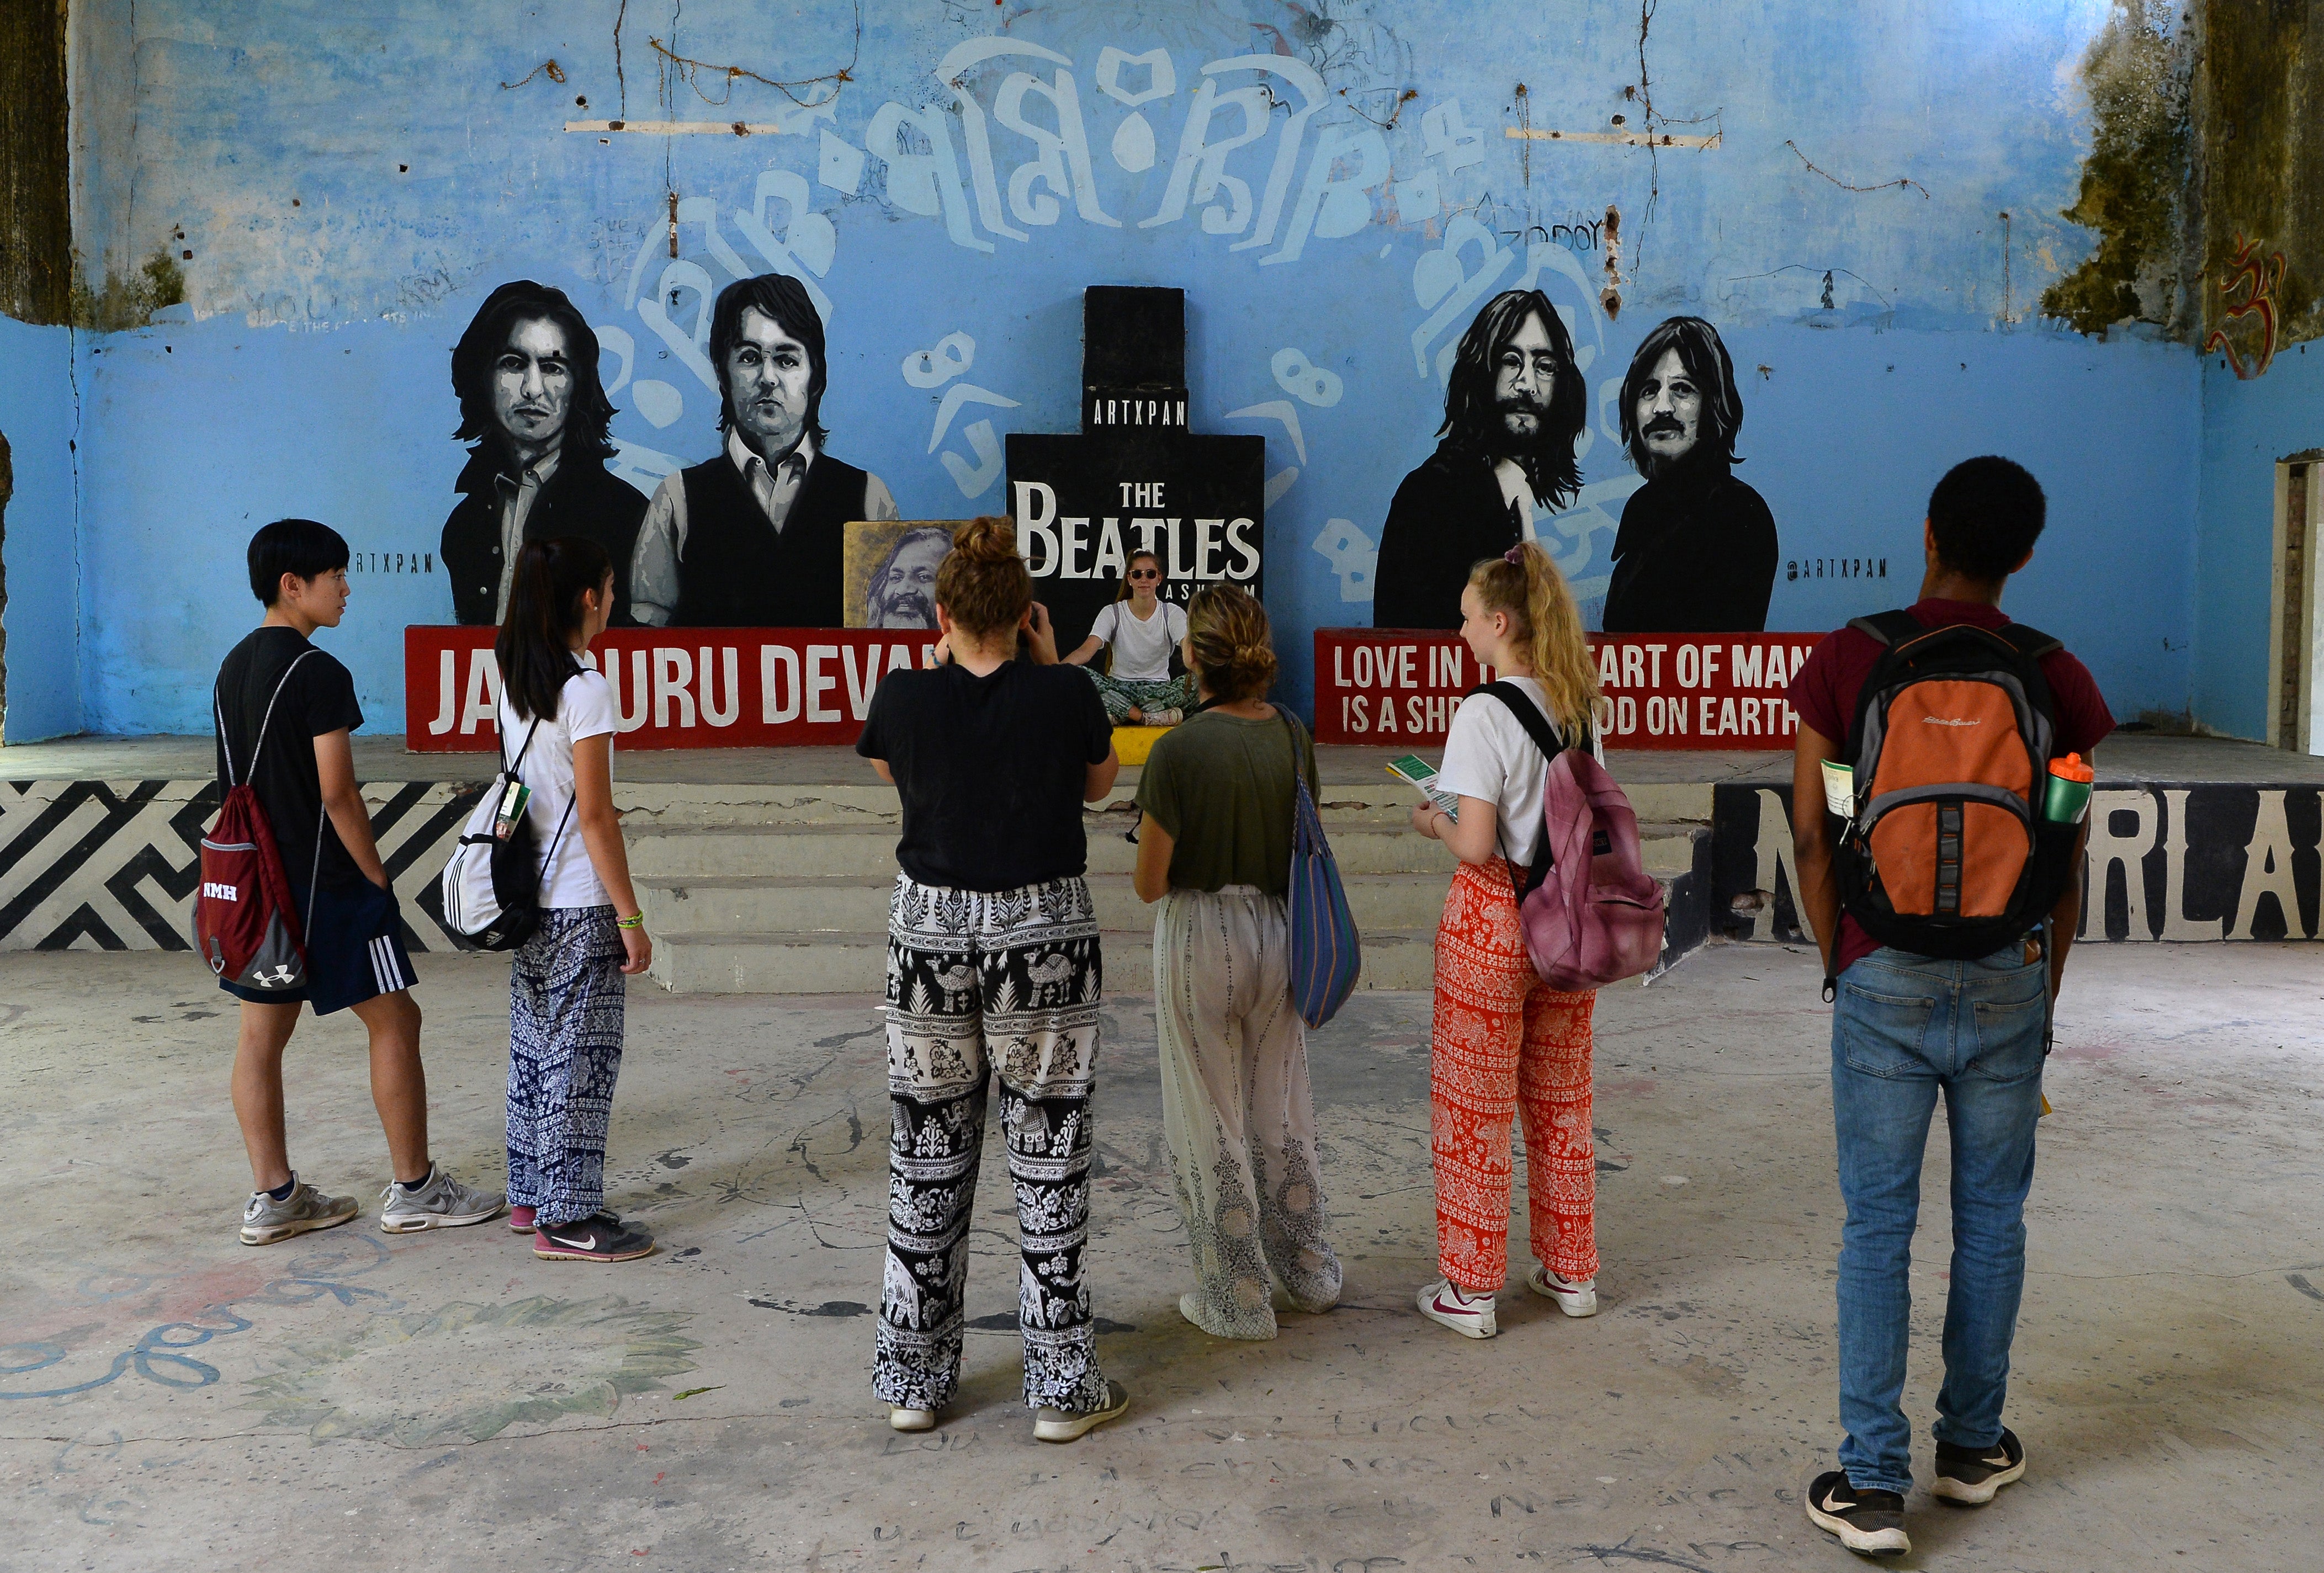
[(1143, 629), (1503, 1040), (566, 987)]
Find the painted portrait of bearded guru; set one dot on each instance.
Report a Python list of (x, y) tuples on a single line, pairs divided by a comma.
[(1514, 406), (1696, 552)]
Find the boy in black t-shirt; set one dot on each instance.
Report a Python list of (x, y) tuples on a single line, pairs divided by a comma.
[(303, 771)]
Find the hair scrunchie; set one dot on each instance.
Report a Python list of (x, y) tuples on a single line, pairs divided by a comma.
[(1515, 556)]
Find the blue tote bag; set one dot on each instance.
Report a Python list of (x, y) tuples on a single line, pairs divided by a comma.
[(1326, 952)]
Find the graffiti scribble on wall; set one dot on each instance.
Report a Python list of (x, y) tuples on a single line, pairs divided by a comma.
[(2259, 279)]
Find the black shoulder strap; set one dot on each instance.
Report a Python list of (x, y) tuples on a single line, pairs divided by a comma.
[(2030, 642), (1544, 738), (1528, 714), (1889, 629)]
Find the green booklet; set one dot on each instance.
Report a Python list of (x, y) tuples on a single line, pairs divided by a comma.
[(1415, 771)]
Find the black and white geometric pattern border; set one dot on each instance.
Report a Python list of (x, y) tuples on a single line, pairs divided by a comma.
[(112, 864)]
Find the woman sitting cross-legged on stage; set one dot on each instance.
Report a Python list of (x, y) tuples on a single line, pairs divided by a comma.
[(1214, 848), (1143, 631), (1503, 1039), (992, 967)]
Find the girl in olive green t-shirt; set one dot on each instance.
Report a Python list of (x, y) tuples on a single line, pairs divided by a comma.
[(1214, 848)]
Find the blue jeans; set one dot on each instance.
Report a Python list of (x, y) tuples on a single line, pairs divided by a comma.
[(1905, 1028)]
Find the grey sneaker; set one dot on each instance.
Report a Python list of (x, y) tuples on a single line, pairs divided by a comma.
[(1065, 1425), (265, 1220), (442, 1203)]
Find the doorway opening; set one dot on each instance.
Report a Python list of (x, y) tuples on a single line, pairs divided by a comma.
[(2295, 640)]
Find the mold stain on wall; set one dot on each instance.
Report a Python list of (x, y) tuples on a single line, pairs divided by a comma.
[(2259, 95), (2134, 181)]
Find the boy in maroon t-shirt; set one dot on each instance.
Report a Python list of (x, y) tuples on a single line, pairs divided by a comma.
[(1905, 1028)]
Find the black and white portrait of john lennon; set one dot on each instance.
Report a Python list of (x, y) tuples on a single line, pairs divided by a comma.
[(1696, 552), (1514, 406), (531, 404)]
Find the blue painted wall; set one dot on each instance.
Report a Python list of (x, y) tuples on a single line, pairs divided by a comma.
[(43, 611), (2247, 427), (352, 183)]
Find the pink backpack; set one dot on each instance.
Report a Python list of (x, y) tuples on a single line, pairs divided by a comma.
[(1590, 913)]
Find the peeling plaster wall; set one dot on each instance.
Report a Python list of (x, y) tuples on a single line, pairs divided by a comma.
[(351, 180), (2258, 105)]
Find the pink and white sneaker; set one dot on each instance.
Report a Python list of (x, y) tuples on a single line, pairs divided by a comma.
[(1470, 1315), (520, 1218), (1572, 1299)]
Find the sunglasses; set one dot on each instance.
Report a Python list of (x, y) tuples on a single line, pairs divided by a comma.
[(1145, 573)]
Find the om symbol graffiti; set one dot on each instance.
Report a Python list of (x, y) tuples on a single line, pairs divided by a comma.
[(2260, 277)]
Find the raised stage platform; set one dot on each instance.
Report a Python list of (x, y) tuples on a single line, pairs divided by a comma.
[(767, 869)]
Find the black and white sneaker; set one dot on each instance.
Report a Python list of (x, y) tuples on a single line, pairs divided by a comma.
[(1870, 1521), (1972, 1475), (599, 1238)]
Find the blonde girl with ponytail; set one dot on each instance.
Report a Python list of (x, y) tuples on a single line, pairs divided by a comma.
[(993, 971), (1504, 1042), (1214, 849)]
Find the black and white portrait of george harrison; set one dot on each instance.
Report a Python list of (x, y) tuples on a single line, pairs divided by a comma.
[(1514, 406), (753, 538), (1696, 552), (525, 372)]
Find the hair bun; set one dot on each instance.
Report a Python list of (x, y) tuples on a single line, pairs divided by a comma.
[(987, 540)]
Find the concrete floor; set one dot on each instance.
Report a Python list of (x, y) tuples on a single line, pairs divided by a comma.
[(355, 1401)]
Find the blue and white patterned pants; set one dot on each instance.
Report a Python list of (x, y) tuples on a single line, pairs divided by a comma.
[(566, 1006)]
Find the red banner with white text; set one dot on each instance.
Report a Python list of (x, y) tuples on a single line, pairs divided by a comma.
[(673, 688), (1657, 691)]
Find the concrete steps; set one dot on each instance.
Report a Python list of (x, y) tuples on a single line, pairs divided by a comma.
[(766, 889)]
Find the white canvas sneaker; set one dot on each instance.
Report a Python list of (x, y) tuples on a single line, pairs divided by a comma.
[(1470, 1315), (1572, 1299)]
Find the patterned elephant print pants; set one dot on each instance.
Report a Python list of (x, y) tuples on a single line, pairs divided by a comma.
[(981, 983), (566, 1004), (1506, 1041), (1236, 1109)]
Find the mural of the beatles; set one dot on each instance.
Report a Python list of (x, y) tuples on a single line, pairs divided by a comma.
[(753, 538), (1513, 407), (530, 400), (1696, 552)]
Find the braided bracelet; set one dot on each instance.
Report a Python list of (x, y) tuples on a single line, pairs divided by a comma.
[(636, 920)]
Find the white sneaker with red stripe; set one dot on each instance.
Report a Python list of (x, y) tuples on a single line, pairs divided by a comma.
[(1470, 1315)]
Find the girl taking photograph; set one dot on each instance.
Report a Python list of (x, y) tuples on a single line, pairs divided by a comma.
[(1214, 848), (1503, 1040), (992, 970), (1143, 629), (566, 987)]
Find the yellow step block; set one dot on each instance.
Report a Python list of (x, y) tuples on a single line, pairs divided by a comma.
[(1131, 744)]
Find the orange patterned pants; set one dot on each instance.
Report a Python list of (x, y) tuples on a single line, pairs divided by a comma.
[(1505, 1042)]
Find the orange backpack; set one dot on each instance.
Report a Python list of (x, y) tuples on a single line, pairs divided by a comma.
[(1947, 853)]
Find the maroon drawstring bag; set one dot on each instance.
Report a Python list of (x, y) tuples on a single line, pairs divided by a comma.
[(246, 924)]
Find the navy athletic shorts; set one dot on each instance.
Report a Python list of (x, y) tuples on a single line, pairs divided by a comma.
[(354, 952)]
